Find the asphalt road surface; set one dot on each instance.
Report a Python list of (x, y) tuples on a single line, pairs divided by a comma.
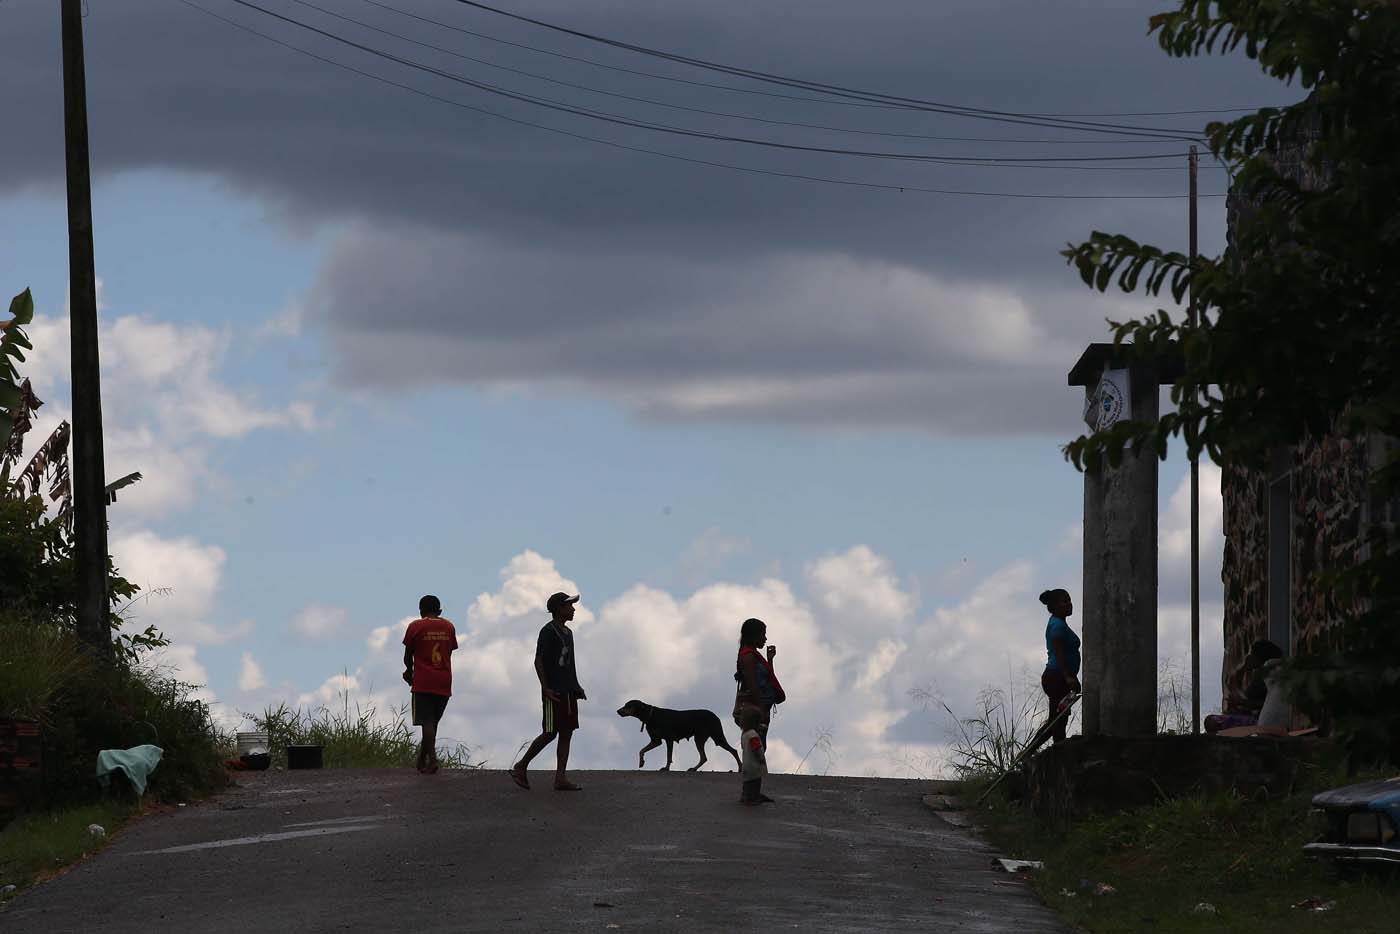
[(391, 850)]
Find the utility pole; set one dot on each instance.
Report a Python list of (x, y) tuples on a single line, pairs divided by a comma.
[(1195, 489), (89, 476)]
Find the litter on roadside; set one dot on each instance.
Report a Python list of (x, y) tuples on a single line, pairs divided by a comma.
[(1103, 888), (1204, 908), (1316, 903), (1016, 865), (1066, 893), (97, 830)]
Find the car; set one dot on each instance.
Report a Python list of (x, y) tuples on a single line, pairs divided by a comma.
[(1358, 823)]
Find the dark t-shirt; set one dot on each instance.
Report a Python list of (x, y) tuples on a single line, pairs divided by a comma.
[(555, 653)]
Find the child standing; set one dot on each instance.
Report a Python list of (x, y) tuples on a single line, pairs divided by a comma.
[(755, 764), (427, 661)]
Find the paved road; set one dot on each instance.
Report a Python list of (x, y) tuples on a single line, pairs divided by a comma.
[(388, 850)]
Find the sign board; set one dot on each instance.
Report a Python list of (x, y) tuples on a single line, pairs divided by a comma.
[(1110, 402)]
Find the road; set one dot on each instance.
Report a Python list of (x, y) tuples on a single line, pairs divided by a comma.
[(391, 850)]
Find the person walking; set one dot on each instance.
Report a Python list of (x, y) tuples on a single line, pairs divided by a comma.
[(758, 687), (560, 692), (1061, 675), (428, 644)]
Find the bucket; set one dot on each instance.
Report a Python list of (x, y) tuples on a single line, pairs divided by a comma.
[(304, 757), (251, 743)]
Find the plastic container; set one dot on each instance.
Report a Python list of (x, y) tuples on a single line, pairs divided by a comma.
[(304, 757), (251, 743)]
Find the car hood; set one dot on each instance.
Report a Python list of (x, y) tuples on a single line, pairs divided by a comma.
[(1381, 794)]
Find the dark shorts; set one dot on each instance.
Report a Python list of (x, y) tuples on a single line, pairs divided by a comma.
[(560, 716), (428, 708)]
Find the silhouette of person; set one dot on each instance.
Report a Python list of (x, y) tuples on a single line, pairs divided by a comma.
[(1061, 675), (559, 690), (428, 644)]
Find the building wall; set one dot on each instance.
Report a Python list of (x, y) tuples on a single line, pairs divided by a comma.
[(1244, 567), (1328, 490), (1329, 487)]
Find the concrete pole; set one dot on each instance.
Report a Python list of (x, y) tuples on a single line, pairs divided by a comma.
[(89, 476), (1120, 583)]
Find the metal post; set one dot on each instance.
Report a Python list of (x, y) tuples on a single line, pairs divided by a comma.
[(89, 484), (1195, 493)]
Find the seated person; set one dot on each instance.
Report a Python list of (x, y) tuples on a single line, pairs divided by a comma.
[(1276, 713), (1242, 707)]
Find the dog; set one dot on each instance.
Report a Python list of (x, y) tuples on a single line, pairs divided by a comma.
[(672, 726)]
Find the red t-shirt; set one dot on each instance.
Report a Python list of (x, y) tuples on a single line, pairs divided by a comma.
[(433, 640)]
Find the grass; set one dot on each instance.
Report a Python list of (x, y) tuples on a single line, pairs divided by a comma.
[(39, 659), (1243, 857), (35, 847), (358, 738)]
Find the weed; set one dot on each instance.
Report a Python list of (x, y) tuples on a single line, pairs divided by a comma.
[(358, 738), (1242, 856)]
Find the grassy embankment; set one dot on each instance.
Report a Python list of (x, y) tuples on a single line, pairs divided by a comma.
[(1241, 857), (42, 844)]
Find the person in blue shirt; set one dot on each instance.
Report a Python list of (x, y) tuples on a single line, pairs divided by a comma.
[(1061, 675)]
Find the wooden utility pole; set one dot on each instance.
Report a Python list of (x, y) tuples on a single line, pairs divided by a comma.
[(89, 477), (1195, 489)]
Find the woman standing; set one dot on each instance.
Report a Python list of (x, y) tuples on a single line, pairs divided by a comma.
[(1062, 655), (758, 686)]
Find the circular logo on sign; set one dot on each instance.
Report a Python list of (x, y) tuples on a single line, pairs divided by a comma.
[(1110, 403)]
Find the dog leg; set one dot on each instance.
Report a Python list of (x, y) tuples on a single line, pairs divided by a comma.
[(642, 756), (722, 743), (667, 766), (700, 745)]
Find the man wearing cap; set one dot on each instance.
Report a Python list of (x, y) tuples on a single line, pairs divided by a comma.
[(559, 689)]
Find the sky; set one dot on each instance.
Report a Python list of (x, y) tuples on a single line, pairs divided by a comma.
[(365, 344)]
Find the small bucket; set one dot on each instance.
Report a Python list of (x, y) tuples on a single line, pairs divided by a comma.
[(304, 757), (251, 743)]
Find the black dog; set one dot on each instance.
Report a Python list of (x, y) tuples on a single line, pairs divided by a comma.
[(674, 726)]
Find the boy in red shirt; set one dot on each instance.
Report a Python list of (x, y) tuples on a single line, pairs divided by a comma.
[(427, 661)]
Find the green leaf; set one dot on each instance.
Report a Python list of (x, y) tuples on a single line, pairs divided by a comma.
[(22, 308)]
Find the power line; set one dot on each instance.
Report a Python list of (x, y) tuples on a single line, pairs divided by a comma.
[(652, 101), (624, 120), (912, 103), (788, 97), (852, 183)]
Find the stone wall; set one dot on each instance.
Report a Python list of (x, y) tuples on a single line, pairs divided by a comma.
[(1244, 568), (1329, 487)]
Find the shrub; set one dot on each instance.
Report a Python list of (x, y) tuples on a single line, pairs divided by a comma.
[(127, 707), (39, 662), (358, 739)]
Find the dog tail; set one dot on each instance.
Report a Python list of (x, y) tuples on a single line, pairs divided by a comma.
[(717, 734)]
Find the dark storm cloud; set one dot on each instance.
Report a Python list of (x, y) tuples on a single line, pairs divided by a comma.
[(655, 251), (801, 337)]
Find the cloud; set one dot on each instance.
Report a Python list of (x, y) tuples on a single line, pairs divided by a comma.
[(497, 245), (180, 580), (861, 586), (165, 405), (528, 580), (250, 675), (318, 621), (815, 339)]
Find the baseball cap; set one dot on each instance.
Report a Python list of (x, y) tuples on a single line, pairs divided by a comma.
[(559, 599)]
